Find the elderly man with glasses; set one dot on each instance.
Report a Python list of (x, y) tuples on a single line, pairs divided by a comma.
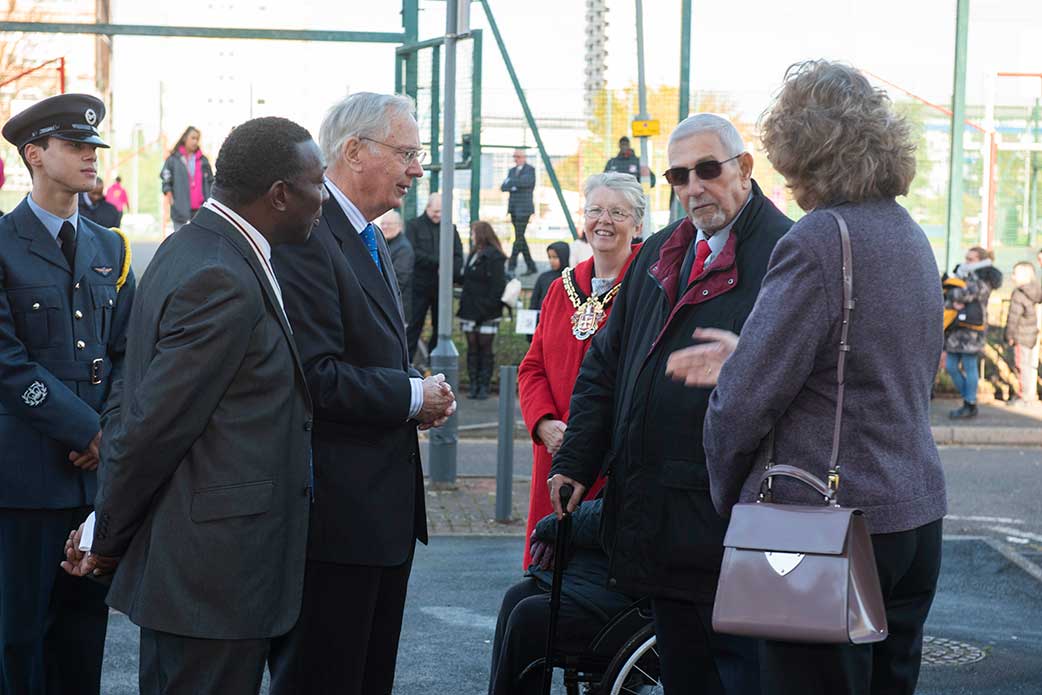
[(629, 419), (343, 302)]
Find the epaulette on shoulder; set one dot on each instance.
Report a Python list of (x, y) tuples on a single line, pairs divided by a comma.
[(124, 271)]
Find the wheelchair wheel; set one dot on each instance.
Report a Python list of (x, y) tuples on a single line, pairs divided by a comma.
[(635, 668)]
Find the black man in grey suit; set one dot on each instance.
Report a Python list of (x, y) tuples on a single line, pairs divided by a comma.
[(205, 482)]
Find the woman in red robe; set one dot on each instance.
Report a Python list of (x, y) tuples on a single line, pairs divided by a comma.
[(576, 306)]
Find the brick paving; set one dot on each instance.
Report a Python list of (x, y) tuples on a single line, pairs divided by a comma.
[(470, 509)]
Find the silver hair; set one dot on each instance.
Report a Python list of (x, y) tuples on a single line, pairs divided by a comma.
[(724, 130), (360, 115), (623, 183)]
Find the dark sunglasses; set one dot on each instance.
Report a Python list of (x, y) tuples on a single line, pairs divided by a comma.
[(706, 171)]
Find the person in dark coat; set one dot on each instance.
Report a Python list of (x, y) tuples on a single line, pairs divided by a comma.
[(630, 419), (1022, 329), (203, 471), (94, 207), (520, 183), (627, 162), (557, 256), (587, 604), (841, 147), (403, 258), (480, 308), (423, 233), (342, 296), (186, 177), (963, 343), (66, 290)]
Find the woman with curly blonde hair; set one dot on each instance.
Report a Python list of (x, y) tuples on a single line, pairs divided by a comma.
[(842, 149)]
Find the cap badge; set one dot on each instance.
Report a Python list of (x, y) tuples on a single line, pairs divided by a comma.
[(92, 118)]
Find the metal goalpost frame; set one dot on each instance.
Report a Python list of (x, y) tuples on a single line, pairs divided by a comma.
[(407, 55)]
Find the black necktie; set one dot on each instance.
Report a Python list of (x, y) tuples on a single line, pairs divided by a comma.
[(67, 234)]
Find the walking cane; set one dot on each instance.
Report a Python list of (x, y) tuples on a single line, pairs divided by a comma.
[(564, 526)]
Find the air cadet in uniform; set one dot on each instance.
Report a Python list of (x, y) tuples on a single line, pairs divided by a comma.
[(65, 295)]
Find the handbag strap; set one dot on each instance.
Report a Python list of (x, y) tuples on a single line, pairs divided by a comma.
[(844, 348)]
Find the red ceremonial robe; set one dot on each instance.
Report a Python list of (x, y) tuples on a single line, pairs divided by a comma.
[(545, 380)]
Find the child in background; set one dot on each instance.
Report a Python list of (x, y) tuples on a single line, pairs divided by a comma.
[(1022, 329)]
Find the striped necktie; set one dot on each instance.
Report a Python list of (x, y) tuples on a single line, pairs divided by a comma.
[(369, 237)]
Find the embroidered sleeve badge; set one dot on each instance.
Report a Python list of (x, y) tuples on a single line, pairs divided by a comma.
[(35, 395)]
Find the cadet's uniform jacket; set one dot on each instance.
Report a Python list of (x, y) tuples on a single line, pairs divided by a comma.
[(61, 342)]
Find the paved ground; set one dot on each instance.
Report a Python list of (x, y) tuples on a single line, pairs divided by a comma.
[(988, 605), (985, 602)]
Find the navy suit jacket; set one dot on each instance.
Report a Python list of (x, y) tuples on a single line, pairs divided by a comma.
[(347, 320), (56, 323)]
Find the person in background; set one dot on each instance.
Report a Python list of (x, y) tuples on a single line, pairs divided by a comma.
[(568, 323), (480, 307), (841, 148), (1022, 330), (963, 342), (627, 162), (94, 207), (424, 233), (557, 255), (186, 177), (117, 195), (520, 183), (402, 257)]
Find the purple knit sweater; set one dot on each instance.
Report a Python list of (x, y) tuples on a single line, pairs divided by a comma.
[(783, 373)]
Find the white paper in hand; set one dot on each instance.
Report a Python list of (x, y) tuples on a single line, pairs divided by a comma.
[(87, 539)]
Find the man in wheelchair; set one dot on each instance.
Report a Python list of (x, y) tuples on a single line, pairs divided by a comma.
[(593, 622)]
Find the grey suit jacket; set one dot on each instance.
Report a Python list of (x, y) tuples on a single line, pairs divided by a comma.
[(204, 483)]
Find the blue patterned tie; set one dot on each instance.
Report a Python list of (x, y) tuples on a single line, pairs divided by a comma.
[(369, 237)]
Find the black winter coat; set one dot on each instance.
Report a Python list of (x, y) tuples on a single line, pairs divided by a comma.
[(662, 533), (484, 279), (423, 233)]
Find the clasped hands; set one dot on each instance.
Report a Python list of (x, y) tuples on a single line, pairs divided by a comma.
[(439, 402), (87, 459), (81, 563)]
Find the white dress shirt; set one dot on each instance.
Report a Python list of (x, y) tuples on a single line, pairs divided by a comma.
[(261, 247)]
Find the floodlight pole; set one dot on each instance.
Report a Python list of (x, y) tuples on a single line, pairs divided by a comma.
[(445, 357), (953, 235)]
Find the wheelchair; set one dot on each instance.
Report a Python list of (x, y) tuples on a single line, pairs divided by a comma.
[(620, 660)]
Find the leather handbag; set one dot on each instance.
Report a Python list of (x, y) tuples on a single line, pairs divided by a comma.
[(803, 573)]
